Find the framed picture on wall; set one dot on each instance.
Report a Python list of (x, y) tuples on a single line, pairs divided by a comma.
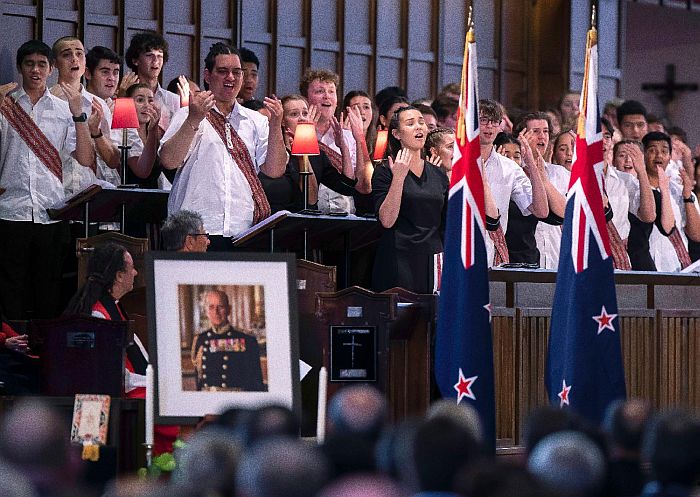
[(222, 332)]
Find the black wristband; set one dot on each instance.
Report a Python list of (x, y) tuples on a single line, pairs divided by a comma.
[(95, 137)]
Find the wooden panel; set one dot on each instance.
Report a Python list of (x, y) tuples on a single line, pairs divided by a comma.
[(640, 353), (505, 366), (679, 348), (533, 334)]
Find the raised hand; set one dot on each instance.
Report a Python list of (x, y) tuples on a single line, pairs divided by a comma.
[(74, 98), (528, 158), (19, 343), (435, 160), (153, 113), (354, 120), (400, 167), (200, 104), (636, 155), (338, 131), (6, 89), (96, 117), (128, 80), (274, 107), (688, 183), (664, 181), (183, 88)]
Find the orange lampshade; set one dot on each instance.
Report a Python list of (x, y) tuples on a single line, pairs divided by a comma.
[(305, 141), (124, 115), (380, 144)]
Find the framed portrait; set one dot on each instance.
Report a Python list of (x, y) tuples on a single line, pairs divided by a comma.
[(222, 332)]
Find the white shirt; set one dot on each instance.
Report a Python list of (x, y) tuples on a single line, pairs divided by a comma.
[(329, 200), (619, 197), (548, 236), (507, 181), (210, 182), (31, 187), (169, 104)]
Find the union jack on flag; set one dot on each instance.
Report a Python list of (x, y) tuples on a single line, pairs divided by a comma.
[(584, 360), (463, 346)]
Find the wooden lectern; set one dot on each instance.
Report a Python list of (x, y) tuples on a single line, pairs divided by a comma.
[(80, 355)]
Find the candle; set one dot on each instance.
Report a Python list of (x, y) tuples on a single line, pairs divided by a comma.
[(150, 407), (380, 144), (321, 417)]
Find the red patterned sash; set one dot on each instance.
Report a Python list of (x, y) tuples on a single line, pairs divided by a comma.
[(32, 136), (239, 153), (619, 252), (679, 247), (499, 242), (334, 157)]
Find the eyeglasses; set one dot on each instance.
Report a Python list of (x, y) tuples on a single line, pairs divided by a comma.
[(198, 234), (485, 121)]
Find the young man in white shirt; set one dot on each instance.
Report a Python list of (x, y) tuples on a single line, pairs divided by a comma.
[(218, 147), (39, 133)]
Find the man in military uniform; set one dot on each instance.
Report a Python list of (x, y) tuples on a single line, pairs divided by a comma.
[(225, 358)]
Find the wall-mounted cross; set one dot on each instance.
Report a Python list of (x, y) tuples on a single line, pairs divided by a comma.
[(666, 91)]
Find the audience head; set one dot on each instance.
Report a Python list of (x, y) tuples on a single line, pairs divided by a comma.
[(498, 480), (508, 146), (361, 101), (221, 61), (568, 462), (441, 448), (632, 119), (608, 133), (445, 108), (388, 108), (625, 423), (69, 56), (672, 446), (388, 92), (144, 101), (407, 130), (393, 451), (209, 462), (440, 142), (183, 231), (172, 86), (610, 111), (490, 117), (621, 159), (365, 485), (463, 415), (545, 420), (295, 110), (251, 65), (282, 467), (451, 90), (657, 151), (268, 422), (677, 132), (655, 124), (320, 87), (357, 410), (30, 55), (563, 149), (147, 53), (429, 116), (569, 108), (14, 483), (34, 439), (537, 123), (110, 272), (102, 68), (555, 120)]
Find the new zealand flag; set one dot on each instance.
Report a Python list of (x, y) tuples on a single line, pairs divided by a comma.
[(584, 360), (464, 349)]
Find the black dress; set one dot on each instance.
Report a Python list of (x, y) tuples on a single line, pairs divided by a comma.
[(405, 251), (638, 239), (285, 193), (520, 236)]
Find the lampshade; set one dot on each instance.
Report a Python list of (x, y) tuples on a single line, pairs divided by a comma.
[(380, 144), (124, 115), (305, 141)]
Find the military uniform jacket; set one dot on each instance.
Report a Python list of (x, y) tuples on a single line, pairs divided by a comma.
[(230, 360)]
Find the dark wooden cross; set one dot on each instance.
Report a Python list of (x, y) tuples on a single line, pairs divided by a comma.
[(666, 91)]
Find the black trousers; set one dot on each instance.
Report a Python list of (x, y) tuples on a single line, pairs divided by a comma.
[(31, 258)]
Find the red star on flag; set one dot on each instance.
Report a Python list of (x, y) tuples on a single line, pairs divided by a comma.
[(604, 320), (564, 394), (464, 387)]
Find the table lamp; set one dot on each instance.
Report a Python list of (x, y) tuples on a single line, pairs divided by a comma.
[(380, 144), (305, 144), (124, 117)]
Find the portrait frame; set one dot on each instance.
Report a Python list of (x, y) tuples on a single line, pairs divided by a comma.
[(273, 275)]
